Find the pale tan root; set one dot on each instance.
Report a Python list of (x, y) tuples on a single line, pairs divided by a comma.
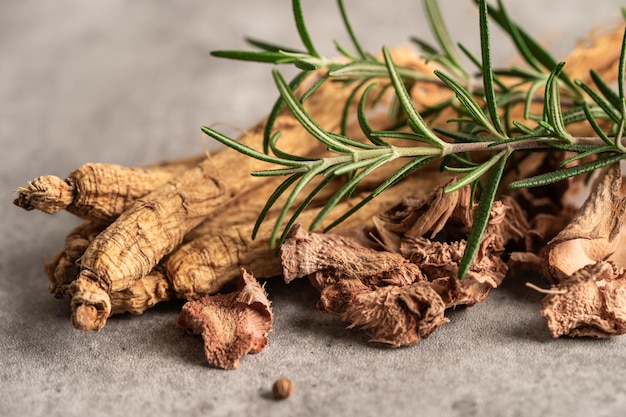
[(97, 191), (145, 293), (64, 267), (591, 302)]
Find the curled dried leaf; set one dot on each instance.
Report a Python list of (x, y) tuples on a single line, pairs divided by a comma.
[(231, 325), (591, 302)]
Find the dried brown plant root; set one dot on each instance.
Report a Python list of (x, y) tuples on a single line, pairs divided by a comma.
[(596, 232), (336, 258), (430, 231), (64, 267), (97, 191), (144, 294), (132, 245), (393, 315), (591, 302), (231, 325), (380, 292)]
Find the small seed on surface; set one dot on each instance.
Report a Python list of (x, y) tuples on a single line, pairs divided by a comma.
[(282, 388)]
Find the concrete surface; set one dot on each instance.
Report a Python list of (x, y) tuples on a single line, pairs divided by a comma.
[(131, 82)]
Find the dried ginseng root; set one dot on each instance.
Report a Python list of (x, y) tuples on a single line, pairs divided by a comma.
[(378, 291), (97, 191), (587, 261), (590, 302), (144, 294), (595, 233), (231, 325), (64, 267), (430, 231)]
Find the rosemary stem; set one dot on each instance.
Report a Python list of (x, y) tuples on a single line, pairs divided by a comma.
[(535, 143), (452, 148)]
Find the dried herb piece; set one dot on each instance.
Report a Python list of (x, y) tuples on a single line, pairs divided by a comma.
[(337, 257), (379, 291), (231, 325), (595, 232), (446, 221), (591, 302), (393, 315)]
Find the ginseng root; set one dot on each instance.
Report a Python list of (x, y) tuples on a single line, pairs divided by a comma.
[(99, 192)]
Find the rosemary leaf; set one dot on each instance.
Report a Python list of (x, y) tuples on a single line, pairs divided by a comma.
[(481, 218), (366, 128), (272, 200), (407, 103), (438, 28), (562, 174), (400, 174), (350, 30), (487, 70), (348, 187), (305, 120), (302, 30)]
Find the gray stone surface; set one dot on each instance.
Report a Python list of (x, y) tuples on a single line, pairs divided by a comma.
[(131, 82)]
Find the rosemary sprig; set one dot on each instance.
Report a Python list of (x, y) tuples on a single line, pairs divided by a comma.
[(482, 125)]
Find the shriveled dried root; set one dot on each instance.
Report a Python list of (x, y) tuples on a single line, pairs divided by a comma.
[(590, 302), (378, 291), (144, 294), (595, 233), (393, 315), (415, 229), (587, 261)]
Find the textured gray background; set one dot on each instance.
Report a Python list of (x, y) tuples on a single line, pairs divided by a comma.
[(131, 82)]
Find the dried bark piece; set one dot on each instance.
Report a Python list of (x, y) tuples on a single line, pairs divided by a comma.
[(337, 257), (591, 302), (393, 315), (595, 232), (231, 325)]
